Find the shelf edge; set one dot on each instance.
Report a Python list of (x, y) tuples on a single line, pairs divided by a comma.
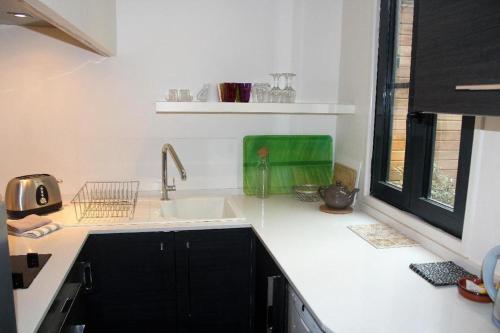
[(253, 108)]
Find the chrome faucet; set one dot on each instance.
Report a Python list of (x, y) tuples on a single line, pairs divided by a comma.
[(165, 188)]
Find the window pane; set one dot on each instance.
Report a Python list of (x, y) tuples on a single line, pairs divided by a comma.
[(445, 158), (399, 92), (398, 138)]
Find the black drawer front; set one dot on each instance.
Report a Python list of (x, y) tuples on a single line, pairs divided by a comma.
[(66, 311)]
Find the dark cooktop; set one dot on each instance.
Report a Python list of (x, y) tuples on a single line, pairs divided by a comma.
[(26, 267)]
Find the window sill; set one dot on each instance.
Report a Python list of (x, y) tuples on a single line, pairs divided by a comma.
[(434, 239)]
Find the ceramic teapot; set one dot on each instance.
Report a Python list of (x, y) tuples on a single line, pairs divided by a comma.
[(337, 196), (488, 273)]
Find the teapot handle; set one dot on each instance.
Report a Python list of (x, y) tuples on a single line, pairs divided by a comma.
[(488, 271), (321, 192)]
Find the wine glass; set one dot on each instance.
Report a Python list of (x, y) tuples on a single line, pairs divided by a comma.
[(288, 93), (275, 92)]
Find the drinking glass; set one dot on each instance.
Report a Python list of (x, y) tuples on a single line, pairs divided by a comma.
[(244, 90), (229, 93), (260, 92), (202, 95), (185, 95), (275, 92), (173, 95), (288, 94)]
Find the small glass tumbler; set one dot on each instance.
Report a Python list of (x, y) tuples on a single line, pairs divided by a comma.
[(244, 90), (173, 95), (185, 95), (230, 90), (260, 92)]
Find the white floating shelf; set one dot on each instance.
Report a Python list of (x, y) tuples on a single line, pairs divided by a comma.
[(254, 108)]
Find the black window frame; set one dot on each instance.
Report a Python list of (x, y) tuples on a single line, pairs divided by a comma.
[(420, 135)]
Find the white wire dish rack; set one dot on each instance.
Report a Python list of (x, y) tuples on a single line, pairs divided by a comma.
[(113, 199)]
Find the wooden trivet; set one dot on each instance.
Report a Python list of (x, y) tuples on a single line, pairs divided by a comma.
[(325, 209)]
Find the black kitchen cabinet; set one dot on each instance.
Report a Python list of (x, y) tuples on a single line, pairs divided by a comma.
[(67, 312), (188, 281), (270, 293), (457, 44), (129, 282), (215, 280)]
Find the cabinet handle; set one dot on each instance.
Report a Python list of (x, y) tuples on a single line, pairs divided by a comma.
[(271, 280), (479, 87), (86, 269), (66, 305)]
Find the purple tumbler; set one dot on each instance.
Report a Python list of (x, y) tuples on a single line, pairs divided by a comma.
[(244, 90)]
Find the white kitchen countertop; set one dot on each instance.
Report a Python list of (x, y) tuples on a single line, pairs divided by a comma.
[(348, 285)]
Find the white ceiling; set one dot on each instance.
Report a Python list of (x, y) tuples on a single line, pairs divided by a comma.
[(17, 6)]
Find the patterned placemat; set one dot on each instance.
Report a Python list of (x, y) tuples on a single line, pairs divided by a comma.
[(382, 236), (441, 274)]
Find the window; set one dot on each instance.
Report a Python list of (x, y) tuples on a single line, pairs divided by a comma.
[(420, 161)]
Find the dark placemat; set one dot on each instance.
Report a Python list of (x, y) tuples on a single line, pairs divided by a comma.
[(441, 274), (26, 274)]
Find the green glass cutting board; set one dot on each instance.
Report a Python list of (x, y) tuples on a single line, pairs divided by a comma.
[(294, 160)]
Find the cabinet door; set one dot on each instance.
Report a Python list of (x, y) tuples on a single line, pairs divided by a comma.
[(214, 280), (457, 44), (270, 293), (132, 283)]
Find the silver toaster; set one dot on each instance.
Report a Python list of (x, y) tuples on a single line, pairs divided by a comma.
[(32, 194)]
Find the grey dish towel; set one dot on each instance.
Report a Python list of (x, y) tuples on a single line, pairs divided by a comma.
[(32, 226), (27, 223), (38, 232), (441, 274)]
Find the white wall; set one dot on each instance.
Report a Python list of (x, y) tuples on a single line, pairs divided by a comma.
[(359, 40), (482, 221), (354, 142), (79, 116)]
